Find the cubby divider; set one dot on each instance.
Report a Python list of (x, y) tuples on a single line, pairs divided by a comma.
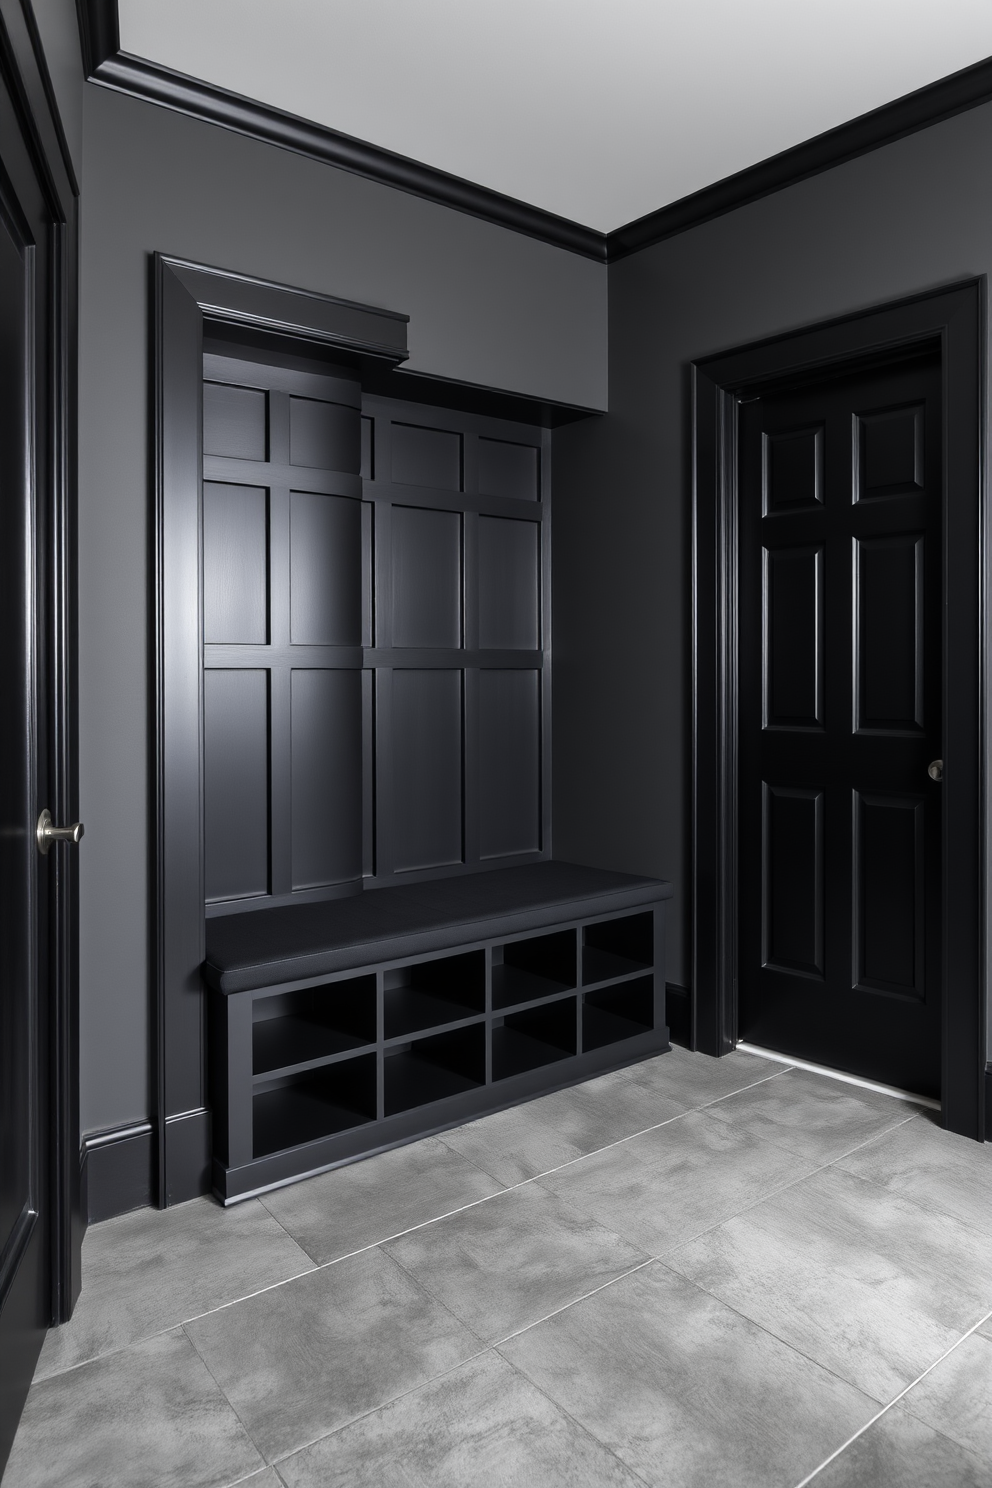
[(616, 948), (428, 1069), (298, 1027), (302, 1108), (620, 1012), (526, 1040), (524, 970), (432, 993)]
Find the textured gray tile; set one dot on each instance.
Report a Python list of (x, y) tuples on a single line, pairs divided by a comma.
[(267, 1478), (153, 1269), (865, 1282), (688, 1393), (696, 1079), (661, 1188), (148, 1415), (513, 1260), (812, 1115), (900, 1452), (956, 1397), (342, 1211), (483, 1424), (300, 1360), (933, 1167)]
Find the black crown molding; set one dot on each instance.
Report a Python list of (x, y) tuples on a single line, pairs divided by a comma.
[(107, 65)]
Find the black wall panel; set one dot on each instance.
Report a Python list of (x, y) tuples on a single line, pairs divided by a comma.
[(508, 469), (325, 436), (427, 769), (325, 579), (509, 584), (236, 783), (235, 563), (427, 577), (427, 457), (509, 763), (235, 421), (326, 776)]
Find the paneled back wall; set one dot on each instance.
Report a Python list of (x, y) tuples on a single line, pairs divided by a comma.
[(376, 608)]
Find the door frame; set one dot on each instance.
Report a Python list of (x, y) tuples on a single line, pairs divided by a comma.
[(952, 319)]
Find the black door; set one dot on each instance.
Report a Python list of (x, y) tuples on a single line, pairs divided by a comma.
[(840, 716), (33, 340)]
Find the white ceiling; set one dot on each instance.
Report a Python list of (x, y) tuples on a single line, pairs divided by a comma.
[(599, 110)]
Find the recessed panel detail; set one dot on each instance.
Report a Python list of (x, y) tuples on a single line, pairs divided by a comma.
[(427, 577), (509, 763), (235, 564), (509, 470), (325, 581), (509, 584), (792, 470), (326, 777), (427, 769), (888, 640), (426, 457), (890, 452), (325, 436), (236, 783), (889, 894), (234, 421), (793, 637), (792, 880)]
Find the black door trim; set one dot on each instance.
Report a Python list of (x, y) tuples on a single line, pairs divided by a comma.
[(954, 319)]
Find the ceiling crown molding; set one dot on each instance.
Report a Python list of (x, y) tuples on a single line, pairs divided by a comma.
[(107, 65)]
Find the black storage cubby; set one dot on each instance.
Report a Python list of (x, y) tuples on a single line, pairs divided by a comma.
[(620, 1012), (339, 1029), (293, 1028), (433, 993), (303, 1108), (524, 970), (428, 1069), (538, 1036), (616, 948)]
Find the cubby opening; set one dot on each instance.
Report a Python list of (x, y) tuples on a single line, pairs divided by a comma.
[(429, 1069), (618, 1013), (616, 948), (315, 1023), (527, 1040), (524, 970), (434, 992), (303, 1108)]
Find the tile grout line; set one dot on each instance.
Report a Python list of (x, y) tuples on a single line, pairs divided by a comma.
[(557, 1311), (894, 1401), (232, 1406)]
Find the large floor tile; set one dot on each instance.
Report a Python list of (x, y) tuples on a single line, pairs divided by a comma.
[(956, 1397), (365, 1202), (812, 1115), (865, 1282), (513, 1260), (684, 1390), (934, 1167), (479, 1426), (155, 1268), (694, 1080), (303, 1359), (661, 1188), (900, 1452), (147, 1417)]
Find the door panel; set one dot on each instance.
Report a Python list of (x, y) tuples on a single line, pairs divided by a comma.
[(840, 644)]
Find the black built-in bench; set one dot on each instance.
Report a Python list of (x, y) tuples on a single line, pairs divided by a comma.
[(341, 1028)]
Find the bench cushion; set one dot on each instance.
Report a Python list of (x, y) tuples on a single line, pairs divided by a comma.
[(263, 948)]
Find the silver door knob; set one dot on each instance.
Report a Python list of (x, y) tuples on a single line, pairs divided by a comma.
[(47, 833), (935, 769)]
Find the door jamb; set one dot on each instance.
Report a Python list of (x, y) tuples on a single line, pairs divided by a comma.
[(954, 318)]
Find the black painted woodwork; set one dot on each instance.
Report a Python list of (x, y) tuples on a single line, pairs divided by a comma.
[(951, 322), (107, 65), (840, 688), (341, 1028), (41, 1218)]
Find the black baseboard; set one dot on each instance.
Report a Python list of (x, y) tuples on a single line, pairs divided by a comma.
[(678, 1011), (988, 1103), (117, 1169)]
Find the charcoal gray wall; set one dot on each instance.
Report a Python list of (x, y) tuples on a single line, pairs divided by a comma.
[(486, 306), (903, 219)]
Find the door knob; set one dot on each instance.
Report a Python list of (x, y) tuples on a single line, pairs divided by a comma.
[(47, 833), (935, 769)]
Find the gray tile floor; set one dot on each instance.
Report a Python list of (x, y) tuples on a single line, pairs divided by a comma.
[(692, 1272)]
